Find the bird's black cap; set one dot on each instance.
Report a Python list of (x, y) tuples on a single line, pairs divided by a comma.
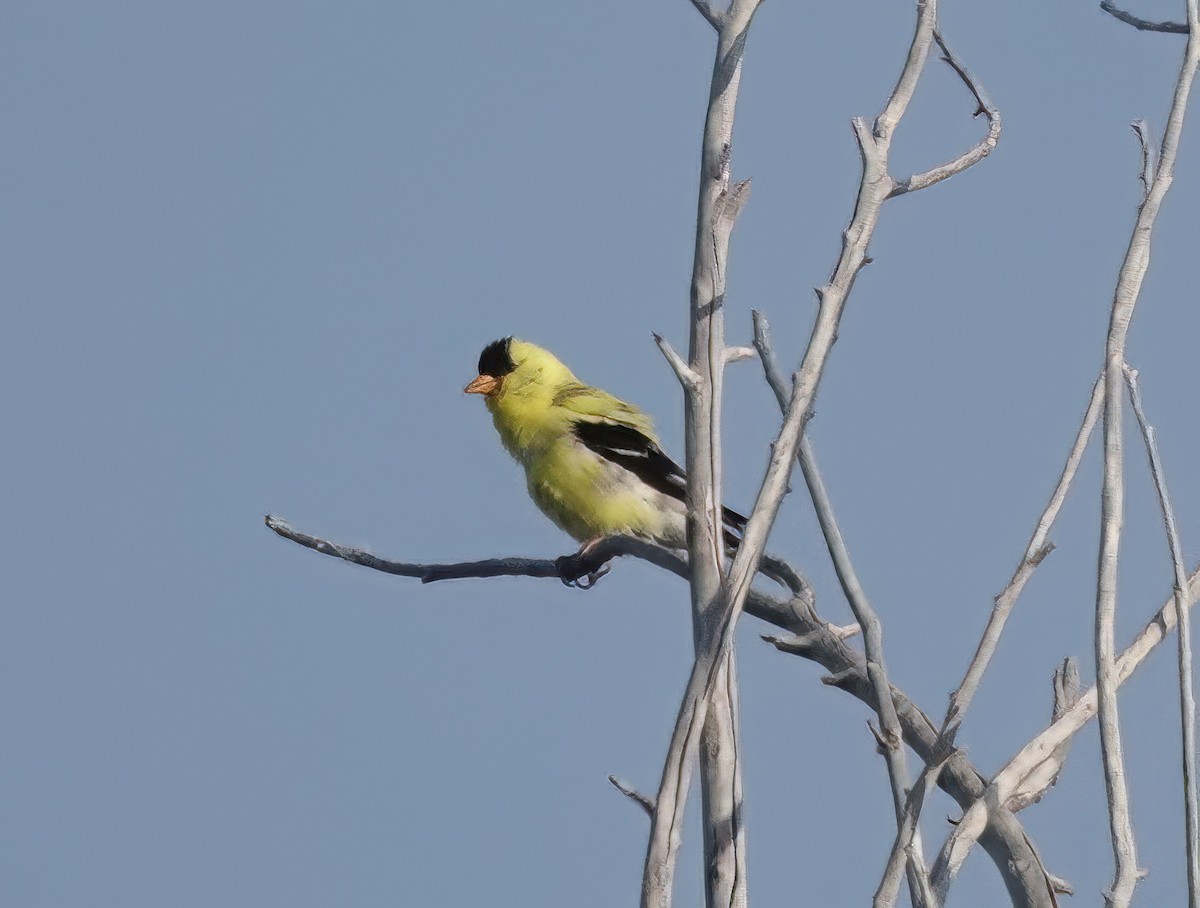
[(496, 360)]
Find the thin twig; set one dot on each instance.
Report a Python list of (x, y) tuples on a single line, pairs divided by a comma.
[(976, 153), (686, 375), (1187, 699), (426, 573), (714, 18), (1141, 130), (872, 628), (1145, 25), (890, 737), (1035, 552), (643, 801)]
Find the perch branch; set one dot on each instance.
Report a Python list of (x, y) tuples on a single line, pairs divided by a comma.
[(568, 568), (1003, 837)]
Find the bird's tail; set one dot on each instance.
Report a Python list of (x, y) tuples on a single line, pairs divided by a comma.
[(735, 525)]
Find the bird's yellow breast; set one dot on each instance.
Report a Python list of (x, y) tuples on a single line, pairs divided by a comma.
[(572, 485), (584, 496), (535, 410)]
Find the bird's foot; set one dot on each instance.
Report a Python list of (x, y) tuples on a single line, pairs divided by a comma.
[(586, 583), (583, 569)]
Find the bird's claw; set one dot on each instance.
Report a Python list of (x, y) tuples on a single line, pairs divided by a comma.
[(586, 583), (574, 570)]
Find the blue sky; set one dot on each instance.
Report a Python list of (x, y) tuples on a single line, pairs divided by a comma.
[(253, 253)]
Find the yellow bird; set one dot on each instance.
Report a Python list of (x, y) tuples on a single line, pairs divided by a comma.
[(592, 462)]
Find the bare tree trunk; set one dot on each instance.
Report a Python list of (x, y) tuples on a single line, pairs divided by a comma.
[(721, 794)]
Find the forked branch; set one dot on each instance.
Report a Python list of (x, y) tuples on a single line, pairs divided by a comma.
[(1044, 746), (977, 152), (806, 635)]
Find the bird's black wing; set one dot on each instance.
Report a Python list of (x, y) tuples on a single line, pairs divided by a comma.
[(637, 453)]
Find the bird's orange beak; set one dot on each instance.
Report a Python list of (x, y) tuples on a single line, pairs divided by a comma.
[(483, 384)]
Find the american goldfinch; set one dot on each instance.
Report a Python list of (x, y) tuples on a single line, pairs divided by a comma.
[(592, 462)]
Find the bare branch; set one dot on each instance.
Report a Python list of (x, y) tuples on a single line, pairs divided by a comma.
[(643, 801), (1187, 699), (874, 186), (914, 64), (906, 835), (874, 147), (714, 18), (1125, 297), (1066, 688), (872, 629), (1035, 553), (718, 205), (1003, 838), (1109, 670), (766, 355), (1145, 25), (975, 154), (568, 568), (1060, 885), (1034, 787), (737, 354), (1044, 746), (788, 577), (1140, 129), (687, 377)]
